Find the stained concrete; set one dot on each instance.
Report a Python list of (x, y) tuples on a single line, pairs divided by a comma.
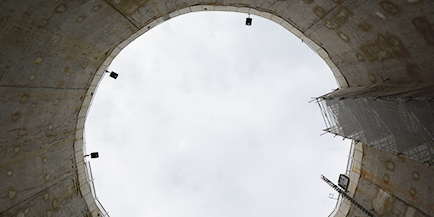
[(389, 185), (53, 53)]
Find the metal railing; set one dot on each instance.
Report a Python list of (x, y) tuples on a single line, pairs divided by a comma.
[(90, 180)]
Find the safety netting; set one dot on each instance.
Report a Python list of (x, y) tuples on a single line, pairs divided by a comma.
[(396, 118)]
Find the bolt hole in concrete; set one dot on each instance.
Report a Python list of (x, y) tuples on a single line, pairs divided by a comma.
[(211, 118)]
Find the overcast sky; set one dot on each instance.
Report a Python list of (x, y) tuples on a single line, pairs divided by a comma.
[(210, 118)]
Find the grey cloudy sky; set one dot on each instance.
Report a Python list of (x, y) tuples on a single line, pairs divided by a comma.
[(210, 117)]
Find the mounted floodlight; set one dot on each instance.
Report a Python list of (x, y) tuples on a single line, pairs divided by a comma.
[(344, 182), (248, 21), (92, 155), (112, 74)]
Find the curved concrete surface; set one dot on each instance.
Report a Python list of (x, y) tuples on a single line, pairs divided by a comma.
[(53, 54), (388, 185)]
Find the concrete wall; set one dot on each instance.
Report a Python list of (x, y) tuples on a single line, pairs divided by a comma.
[(53, 53), (393, 185), (388, 185)]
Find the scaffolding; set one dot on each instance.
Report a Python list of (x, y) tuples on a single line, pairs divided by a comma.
[(399, 119)]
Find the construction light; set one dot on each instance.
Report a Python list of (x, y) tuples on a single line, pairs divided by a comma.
[(112, 74), (94, 155), (248, 21)]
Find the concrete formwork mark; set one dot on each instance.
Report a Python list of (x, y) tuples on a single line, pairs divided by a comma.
[(396, 174), (43, 195), (33, 154)]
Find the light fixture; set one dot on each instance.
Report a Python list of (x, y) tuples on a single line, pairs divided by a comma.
[(112, 74), (248, 21), (92, 155)]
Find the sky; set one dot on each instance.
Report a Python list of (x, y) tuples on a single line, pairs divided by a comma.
[(211, 118)]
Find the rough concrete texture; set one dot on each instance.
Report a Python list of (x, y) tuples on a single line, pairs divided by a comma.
[(393, 185), (389, 185), (53, 53)]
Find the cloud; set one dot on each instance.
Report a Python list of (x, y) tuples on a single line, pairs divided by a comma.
[(209, 117)]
